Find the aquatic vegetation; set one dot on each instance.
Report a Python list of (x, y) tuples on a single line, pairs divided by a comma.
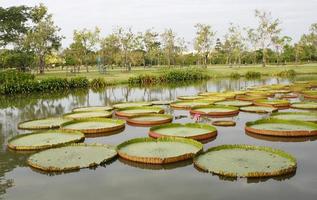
[(275, 103), (189, 104), (72, 157), (94, 125), (258, 109), (301, 116), (311, 94), (189, 97), (190, 130), (138, 110), (236, 103), (248, 97), (253, 75), (285, 128), (131, 104), (304, 105), (44, 123), (215, 110), (44, 140), (245, 161), (224, 123), (88, 114), (159, 151), (93, 108), (149, 119), (161, 102)]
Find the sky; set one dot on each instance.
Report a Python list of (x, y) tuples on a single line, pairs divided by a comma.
[(180, 15)]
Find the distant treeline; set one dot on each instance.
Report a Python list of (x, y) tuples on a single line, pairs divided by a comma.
[(29, 39)]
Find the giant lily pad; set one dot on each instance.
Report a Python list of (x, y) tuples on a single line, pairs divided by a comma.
[(246, 161), (236, 103), (149, 119), (89, 114), (189, 104), (161, 102), (131, 104), (190, 130), (94, 125), (249, 98), (285, 128), (93, 108), (138, 110), (44, 140), (72, 157), (258, 109), (159, 151), (215, 110), (44, 123), (275, 103), (189, 97), (310, 94), (301, 116), (305, 105)]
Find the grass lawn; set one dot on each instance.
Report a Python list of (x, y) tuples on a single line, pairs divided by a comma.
[(120, 75)]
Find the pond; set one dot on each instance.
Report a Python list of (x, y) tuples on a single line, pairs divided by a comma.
[(121, 179)]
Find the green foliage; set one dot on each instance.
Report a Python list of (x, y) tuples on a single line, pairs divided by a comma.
[(253, 75), (235, 75), (98, 83), (13, 82), (170, 76), (287, 73)]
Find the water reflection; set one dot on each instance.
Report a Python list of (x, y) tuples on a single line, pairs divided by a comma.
[(27, 107)]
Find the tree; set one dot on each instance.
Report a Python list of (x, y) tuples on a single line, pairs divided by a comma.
[(110, 48), (43, 37), (234, 44), (126, 42), (13, 24), (152, 45), (279, 44), (203, 42), (168, 38), (267, 30), (87, 40)]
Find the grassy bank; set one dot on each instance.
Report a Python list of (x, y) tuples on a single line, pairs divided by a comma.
[(119, 75)]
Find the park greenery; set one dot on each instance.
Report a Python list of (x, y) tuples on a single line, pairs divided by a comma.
[(31, 42)]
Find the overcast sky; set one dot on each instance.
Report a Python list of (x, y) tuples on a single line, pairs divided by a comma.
[(180, 15)]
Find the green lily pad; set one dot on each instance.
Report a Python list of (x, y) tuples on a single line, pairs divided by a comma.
[(249, 98), (305, 105), (72, 157), (161, 102), (275, 103), (131, 104), (139, 110), (93, 108), (258, 109), (191, 130), (278, 127), (246, 161), (159, 151), (44, 123), (44, 140), (189, 104), (301, 116), (94, 125), (88, 114), (236, 103), (149, 119), (189, 97), (215, 110)]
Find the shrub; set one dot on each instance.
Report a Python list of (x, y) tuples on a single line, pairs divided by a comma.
[(252, 75), (98, 83), (15, 76), (287, 73), (235, 75), (170, 76)]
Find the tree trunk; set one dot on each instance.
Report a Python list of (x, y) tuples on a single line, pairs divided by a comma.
[(263, 57), (42, 64)]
